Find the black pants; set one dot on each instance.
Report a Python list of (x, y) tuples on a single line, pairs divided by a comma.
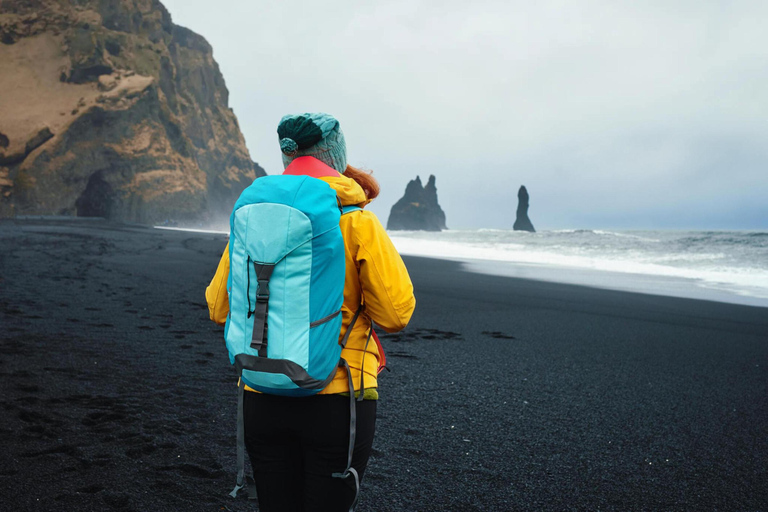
[(295, 444)]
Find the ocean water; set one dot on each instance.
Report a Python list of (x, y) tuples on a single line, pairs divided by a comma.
[(726, 266)]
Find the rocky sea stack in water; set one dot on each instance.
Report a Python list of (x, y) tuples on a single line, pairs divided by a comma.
[(418, 208), (523, 223), (109, 109)]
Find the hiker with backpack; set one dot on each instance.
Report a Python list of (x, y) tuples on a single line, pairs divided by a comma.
[(306, 273)]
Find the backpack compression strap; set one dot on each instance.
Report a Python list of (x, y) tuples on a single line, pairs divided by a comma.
[(261, 309)]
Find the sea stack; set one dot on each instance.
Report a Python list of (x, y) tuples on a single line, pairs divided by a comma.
[(523, 223), (418, 209), (110, 110)]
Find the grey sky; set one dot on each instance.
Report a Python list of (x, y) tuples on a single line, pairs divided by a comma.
[(613, 114)]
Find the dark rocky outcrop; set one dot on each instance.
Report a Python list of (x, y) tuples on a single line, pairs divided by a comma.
[(107, 108), (418, 209), (522, 222)]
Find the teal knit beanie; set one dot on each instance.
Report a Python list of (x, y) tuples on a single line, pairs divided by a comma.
[(318, 135)]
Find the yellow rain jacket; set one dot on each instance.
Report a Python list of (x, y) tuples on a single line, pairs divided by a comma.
[(375, 276)]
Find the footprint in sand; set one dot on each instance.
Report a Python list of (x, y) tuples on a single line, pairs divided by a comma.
[(138, 451), (28, 388), (193, 470), (499, 335), (401, 355), (91, 489), (97, 418), (117, 500), (422, 334), (65, 449)]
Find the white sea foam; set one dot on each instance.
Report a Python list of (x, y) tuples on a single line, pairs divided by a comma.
[(724, 266)]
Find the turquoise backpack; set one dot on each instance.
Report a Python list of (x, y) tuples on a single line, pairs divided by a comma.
[(286, 289)]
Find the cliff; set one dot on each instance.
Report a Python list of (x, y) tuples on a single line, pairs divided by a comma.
[(109, 109), (522, 222), (418, 209)]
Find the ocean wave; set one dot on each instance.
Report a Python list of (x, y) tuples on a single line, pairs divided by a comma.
[(625, 235), (574, 231), (720, 239), (735, 265), (599, 233)]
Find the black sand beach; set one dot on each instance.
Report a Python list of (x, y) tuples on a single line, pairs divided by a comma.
[(504, 394)]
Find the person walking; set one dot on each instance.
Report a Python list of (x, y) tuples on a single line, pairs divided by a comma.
[(297, 444)]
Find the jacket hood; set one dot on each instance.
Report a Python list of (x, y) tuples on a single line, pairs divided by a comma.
[(348, 190)]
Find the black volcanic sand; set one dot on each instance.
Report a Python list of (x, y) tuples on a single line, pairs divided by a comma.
[(505, 394)]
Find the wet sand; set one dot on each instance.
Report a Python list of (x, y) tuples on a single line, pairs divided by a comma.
[(505, 394)]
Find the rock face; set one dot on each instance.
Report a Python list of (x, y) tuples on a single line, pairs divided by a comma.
[(418, 208), (109, 109), (523, 223)]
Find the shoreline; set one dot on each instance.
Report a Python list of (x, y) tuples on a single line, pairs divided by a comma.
[(632, 282), (649, 284)]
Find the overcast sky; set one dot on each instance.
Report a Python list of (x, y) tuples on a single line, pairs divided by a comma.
[(613, 114)]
